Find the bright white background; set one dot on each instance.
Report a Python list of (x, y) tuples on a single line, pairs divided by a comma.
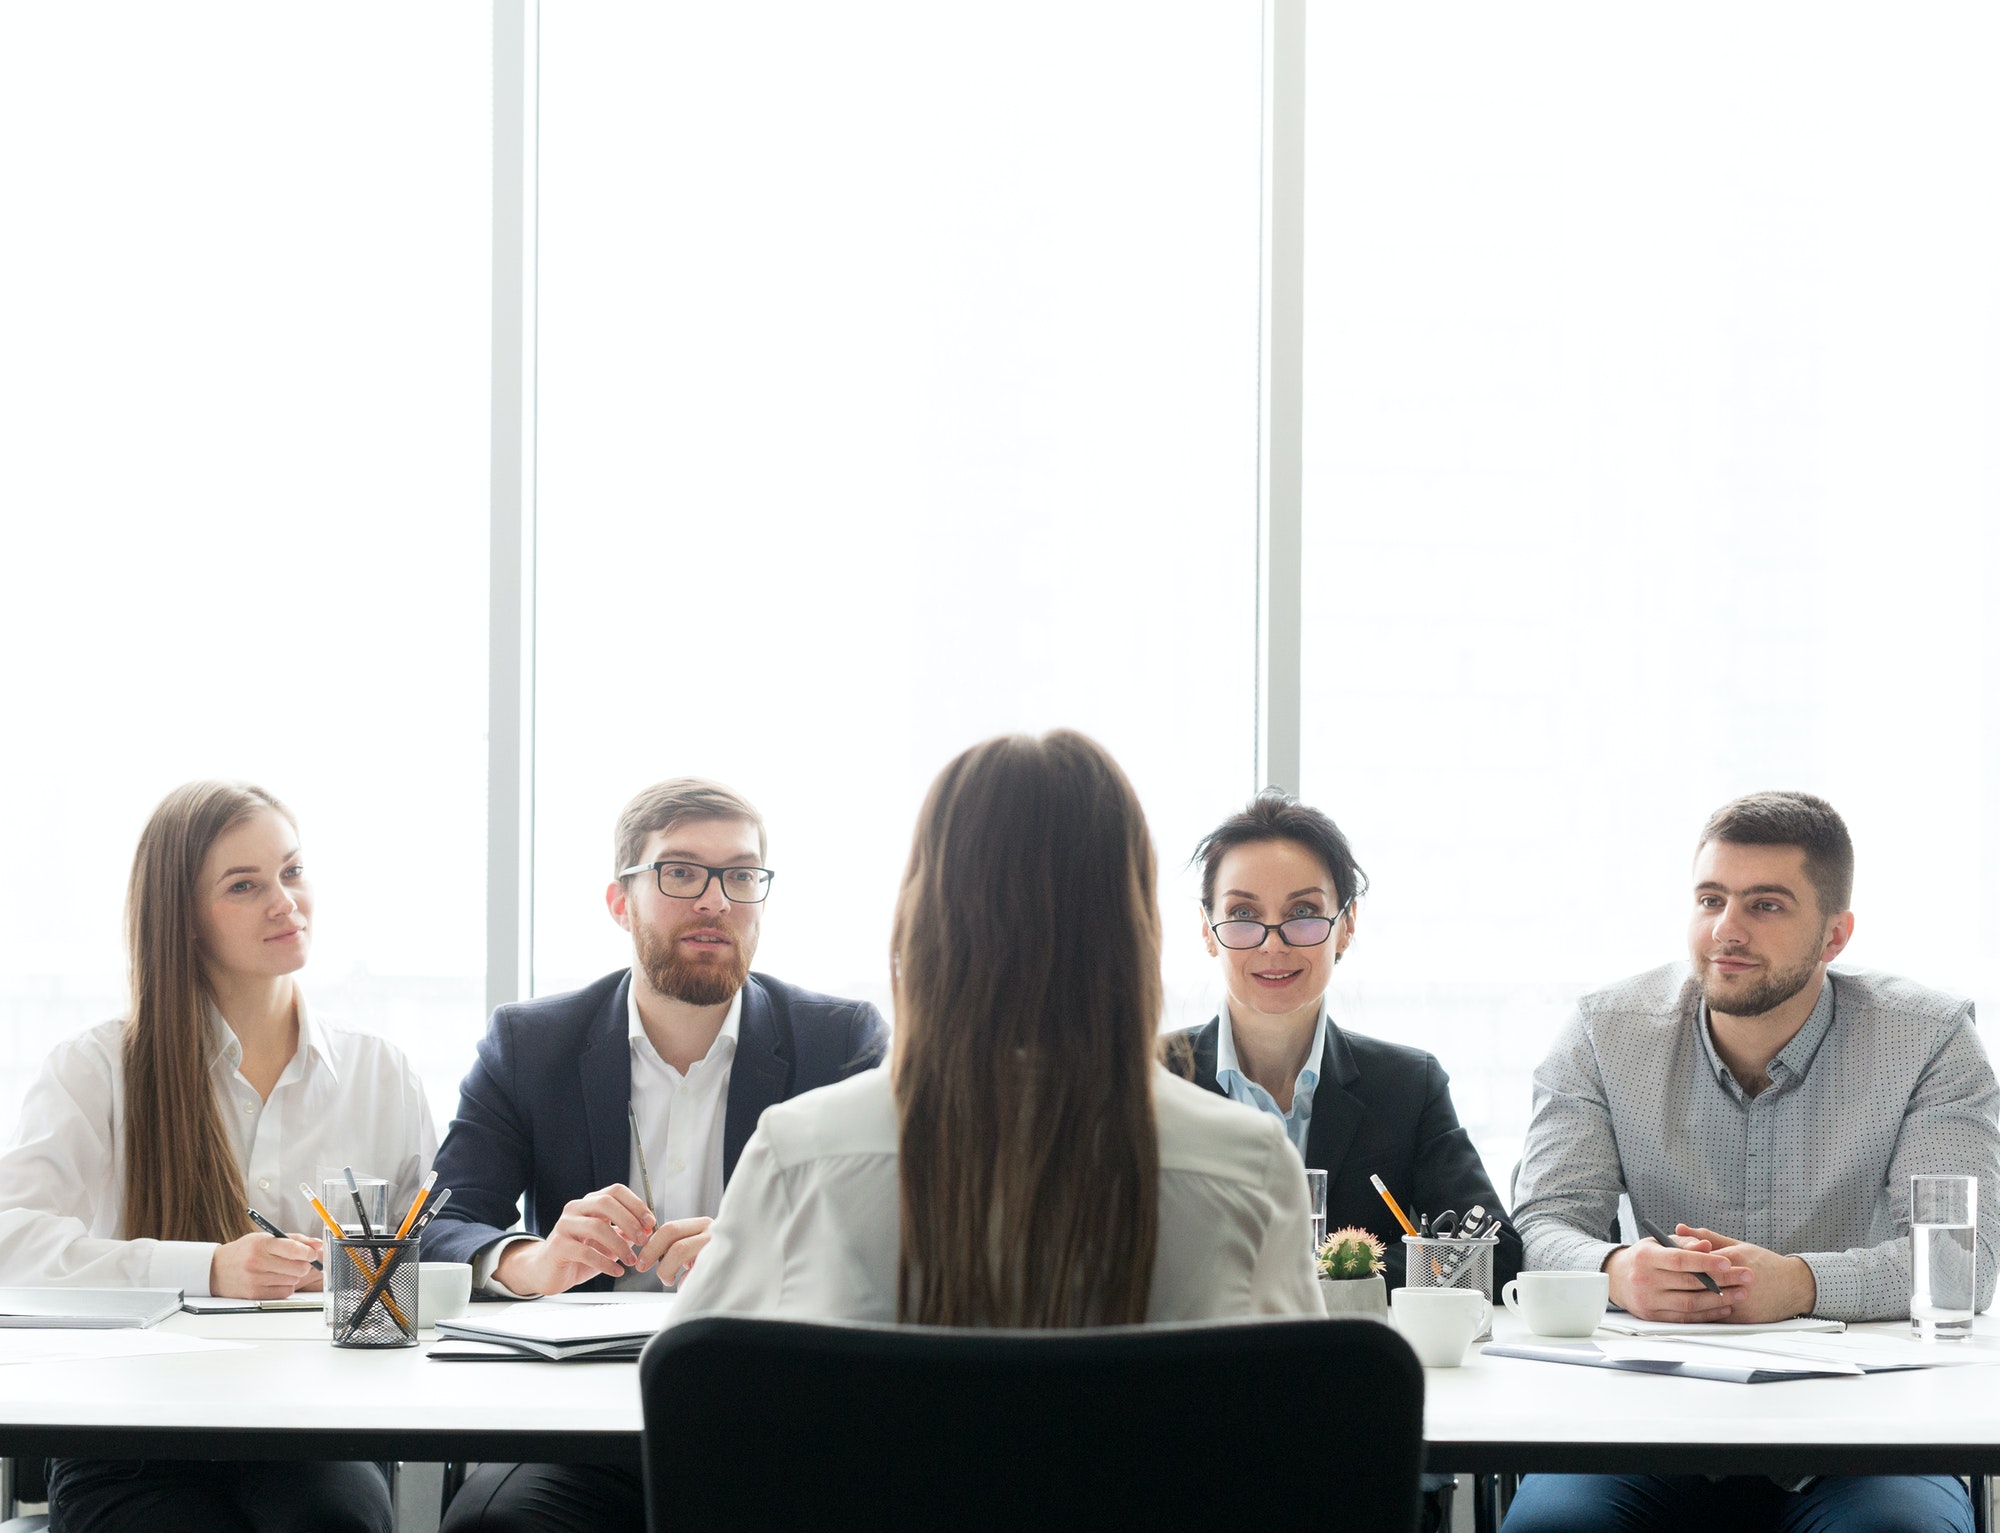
[(243, 309), (898, 386), (1652, 377)]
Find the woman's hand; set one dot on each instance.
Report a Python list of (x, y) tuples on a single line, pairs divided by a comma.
[(261, 1266)]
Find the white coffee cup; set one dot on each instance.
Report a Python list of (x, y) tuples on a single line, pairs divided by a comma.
[(1439, 1323), (1559, 1303), (444, 1289)]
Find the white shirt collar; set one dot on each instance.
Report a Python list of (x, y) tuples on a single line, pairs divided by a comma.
[(313, 1045), (732, 1025)]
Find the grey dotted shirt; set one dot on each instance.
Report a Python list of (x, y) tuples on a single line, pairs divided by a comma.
[(1886, 1080)]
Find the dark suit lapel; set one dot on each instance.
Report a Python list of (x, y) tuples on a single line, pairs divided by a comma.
[(757, 1078), (606, 1068), (1336, 1115), (1202, 1052)]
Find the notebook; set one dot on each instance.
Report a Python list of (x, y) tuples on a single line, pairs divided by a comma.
[(87, 1309), (561, 1333), (210, 1304)]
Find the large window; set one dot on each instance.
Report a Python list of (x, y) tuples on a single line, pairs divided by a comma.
[(898, 387), (898, 384), (243, 295), (1651, 371)]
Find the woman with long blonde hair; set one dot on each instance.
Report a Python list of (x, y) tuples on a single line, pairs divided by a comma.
[(1022, 1160), (147, 1141)]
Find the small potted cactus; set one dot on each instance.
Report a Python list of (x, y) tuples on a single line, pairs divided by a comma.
[(1350, 1275)]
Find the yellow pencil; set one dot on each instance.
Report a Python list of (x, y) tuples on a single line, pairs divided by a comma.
[(360, 1266), (417, 1203), (1401, 1218)]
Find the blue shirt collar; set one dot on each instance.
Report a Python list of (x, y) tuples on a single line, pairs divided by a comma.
[(1240, 1088)]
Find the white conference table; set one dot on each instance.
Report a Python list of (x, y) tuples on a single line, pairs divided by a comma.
[(1514, 1415), (291, 1395)]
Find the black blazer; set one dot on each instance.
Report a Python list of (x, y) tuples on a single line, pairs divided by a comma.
[(542, 1111), (1385, 1109)]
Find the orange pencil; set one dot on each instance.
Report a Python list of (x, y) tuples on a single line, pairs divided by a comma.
[(360, 1266), (1394, 1208), (416, 1203)]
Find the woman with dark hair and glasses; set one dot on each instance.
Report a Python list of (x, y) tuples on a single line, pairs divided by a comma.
[(1279, 889)]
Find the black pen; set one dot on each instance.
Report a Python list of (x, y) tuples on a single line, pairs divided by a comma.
[(1674, 1245), (271, 1229), (354, 1192), (431, 1211)]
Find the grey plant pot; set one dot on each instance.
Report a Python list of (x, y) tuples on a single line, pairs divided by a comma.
[(1349, 1297)]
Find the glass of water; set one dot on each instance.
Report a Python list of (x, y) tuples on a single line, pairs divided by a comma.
[(1944, 1213), (1316, 1197)]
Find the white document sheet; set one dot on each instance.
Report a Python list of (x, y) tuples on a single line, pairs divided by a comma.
[(1618, 1323), (611, 1296), (95, 1346), (1870, 1353), (1677, 1359)]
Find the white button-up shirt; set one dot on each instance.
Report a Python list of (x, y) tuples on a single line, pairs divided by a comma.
[(680, 1120), (344, 1099), (680, 1124)]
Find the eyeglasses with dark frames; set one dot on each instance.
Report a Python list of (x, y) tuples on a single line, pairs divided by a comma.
[(690, 880), (1299, 931)]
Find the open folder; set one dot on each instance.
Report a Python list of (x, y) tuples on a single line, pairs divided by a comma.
[(1680, 1360)]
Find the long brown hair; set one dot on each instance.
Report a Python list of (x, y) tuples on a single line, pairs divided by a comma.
[(181, 1177), (1027, 982)]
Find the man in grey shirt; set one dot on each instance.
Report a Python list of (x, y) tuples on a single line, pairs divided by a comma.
[(1771, 1113)]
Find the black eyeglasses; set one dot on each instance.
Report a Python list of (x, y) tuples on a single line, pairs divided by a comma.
[(1299, 931), (690, 880)]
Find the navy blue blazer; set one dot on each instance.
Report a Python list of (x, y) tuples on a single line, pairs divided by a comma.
[(542, 1111), (1385, 1109)]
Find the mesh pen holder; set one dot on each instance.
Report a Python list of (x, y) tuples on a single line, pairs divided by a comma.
[(366, 1311), (1433, 1263)]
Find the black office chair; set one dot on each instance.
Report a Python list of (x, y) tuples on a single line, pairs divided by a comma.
[(754, 1424)]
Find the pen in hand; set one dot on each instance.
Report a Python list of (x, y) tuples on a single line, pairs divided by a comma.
[(271, 1229), (1674, 1245)]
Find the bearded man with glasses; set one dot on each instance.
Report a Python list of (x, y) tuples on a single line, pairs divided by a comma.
[(619, 1110)]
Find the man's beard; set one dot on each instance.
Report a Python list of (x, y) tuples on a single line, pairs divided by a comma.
[(681, 977), (1777, 987)]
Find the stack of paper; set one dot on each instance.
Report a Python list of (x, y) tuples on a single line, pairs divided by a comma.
[(555, 1333)]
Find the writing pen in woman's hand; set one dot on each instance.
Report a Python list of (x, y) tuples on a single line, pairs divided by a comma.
[(1674, 1245), (271, 1229)]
